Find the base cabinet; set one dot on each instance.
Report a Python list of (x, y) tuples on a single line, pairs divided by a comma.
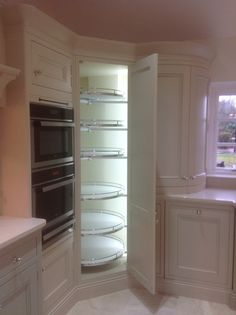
[(20, 280), (57, 273), (199, 243), (19, 294)]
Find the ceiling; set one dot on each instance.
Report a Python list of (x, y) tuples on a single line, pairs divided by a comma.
[(143, 20)]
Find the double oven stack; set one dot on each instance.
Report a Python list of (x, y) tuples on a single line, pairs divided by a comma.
[(52, 137)]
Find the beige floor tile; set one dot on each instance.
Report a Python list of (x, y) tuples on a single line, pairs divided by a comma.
[(140, 302)]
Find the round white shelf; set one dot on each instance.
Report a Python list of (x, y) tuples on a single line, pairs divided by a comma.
[(101, 153), (100, 250), (100, 222), (98, 124), (98, 191), (101, 95)]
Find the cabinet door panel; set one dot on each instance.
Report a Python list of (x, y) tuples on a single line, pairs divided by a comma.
[(19, 295), (50, 69), (199, 244), (57, 272), (142, 171), (172, 127)]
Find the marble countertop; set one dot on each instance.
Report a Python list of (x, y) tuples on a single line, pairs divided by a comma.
[(12, 229), (208, 195)]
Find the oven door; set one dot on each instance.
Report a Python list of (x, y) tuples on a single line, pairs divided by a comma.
[(51, 142), (54, 201)]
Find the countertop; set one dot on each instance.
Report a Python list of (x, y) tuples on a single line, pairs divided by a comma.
[(208, 195), (13, 229)]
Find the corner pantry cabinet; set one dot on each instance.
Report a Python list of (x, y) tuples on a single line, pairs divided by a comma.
[(98, 145), (181, 126), (199, 243)]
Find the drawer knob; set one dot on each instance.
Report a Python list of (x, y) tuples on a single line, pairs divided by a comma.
[(199, 212), (17, 260), (37, 72)]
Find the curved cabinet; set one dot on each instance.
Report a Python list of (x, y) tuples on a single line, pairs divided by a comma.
[(181, 128)]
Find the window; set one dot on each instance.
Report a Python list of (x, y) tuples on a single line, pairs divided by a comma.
[(221, 144)]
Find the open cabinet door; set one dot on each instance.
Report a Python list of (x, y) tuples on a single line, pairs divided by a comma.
[(142, 171)]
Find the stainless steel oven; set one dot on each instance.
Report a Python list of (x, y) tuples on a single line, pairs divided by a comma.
[(53, 199), (52, 134)]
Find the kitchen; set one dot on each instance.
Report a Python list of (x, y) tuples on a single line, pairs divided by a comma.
[(27, 29)]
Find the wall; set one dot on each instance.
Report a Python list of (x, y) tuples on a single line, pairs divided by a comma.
[(2, 100), (224, 65)]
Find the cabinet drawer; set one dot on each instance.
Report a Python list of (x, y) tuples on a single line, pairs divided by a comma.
[(16, 256)]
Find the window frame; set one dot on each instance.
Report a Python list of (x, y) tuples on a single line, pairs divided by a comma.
[(216, 89)]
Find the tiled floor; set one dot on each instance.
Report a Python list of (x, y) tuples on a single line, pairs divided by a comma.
[(139, 302)]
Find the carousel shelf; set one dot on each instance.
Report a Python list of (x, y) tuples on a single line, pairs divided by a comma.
[(101, 95), (100, 222), (93, 153), (98, 124), (100, 190), (100, 250)]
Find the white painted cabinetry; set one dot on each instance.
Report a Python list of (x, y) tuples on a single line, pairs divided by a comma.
[(181, 126), (58, 272), (199, 243), (20, 278), (50, 75)]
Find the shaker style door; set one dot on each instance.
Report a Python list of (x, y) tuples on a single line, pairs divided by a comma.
[(142, 171)]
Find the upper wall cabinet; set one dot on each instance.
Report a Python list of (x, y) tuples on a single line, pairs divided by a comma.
[(50, 75), (181, 128)]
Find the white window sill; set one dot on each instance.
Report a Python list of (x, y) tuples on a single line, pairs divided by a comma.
[(221, 181)]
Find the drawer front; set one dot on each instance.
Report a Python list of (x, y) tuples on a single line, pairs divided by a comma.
[(17, 256)]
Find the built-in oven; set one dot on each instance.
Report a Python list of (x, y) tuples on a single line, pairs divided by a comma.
[(53, 200), (52, 134)]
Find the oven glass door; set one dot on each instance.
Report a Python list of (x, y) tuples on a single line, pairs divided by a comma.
[(54, 201), (52, 143)]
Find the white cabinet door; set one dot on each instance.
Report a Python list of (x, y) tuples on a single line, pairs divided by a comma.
[(199, 243), (50, 68), (57, 277), (181, 128), (142, 171), (19, 295), (50, 76)]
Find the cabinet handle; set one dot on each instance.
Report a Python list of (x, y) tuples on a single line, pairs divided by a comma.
[(185, 178), (199, 212), (54, 102), (37, 72), (17, 260), (193, 177)]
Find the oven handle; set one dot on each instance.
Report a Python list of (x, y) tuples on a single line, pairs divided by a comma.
[(56, 124), (57, 185)]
